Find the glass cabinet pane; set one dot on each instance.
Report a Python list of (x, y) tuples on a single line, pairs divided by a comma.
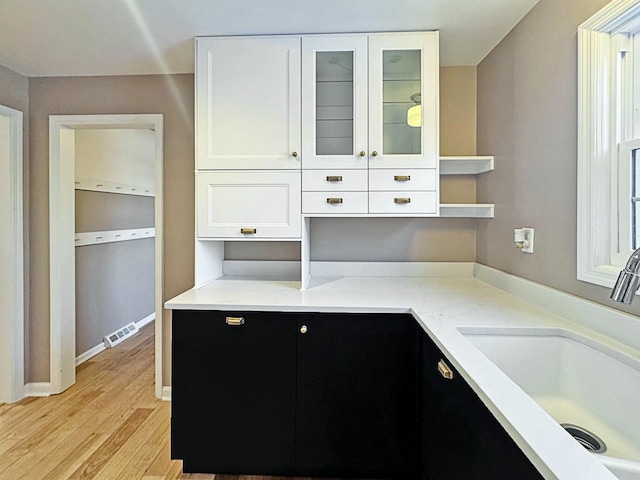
[(401, 97), (334, 103)]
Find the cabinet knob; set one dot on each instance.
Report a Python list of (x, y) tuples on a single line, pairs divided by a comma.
[(294, 154), (402, 178), (402, 200), (334, 201), (362, 153), (248, 231), (374, 153), (303, 329)]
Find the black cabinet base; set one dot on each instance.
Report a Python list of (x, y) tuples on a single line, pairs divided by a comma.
[(327, 396)]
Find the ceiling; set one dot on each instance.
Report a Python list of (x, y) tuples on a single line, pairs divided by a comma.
[(128, 37)]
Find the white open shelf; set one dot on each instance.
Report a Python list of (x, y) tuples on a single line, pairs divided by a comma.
[(466, 165), (468, 210)]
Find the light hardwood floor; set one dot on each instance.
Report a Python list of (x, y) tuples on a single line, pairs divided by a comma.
[(109, 425)]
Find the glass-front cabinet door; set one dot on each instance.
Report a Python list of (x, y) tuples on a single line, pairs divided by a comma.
[(334, 102), (403, 101)]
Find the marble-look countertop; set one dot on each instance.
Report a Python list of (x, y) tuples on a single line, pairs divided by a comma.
[(440, 305)]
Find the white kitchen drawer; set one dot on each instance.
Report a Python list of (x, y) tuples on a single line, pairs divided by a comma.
[(403, 202), (334, 202), (248, 204), (334, 180), (402, 179)]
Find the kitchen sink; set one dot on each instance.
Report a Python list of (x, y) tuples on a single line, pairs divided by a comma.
[(590, 388)]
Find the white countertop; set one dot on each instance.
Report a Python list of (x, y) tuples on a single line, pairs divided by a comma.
[(440, 305)]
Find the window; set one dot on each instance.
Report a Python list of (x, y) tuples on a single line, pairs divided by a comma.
[(608, 141)]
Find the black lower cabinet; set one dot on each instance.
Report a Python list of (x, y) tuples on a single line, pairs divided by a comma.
[(233, 392), (461, 439), (357, 396), (327, 395)]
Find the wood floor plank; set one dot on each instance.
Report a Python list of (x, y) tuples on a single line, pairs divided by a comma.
[(130, 449), (92, 466)]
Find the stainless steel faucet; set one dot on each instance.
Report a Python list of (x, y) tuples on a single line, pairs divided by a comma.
[(628, 281)]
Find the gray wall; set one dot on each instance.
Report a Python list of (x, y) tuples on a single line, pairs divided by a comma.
[(527, 118), (114, 281), (14, 93)]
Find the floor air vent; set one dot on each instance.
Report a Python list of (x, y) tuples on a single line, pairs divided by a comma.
[(120, 335)]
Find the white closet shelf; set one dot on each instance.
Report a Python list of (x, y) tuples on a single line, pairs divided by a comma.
[(466, 165), (97, 185), (83, 239), (468, 210)]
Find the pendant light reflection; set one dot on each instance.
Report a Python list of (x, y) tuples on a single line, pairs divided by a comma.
[(414, 114)]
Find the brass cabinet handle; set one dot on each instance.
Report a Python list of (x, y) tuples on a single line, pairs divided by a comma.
[(248, 231), (374, 153), (303, 329), (362, 153), (235, 321), (445, 370), (294, 154), (334, 201), (402, 200), (334, 178), (402, 178)]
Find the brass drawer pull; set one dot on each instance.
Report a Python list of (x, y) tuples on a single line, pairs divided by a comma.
[(248, 231), (402, 200), (402, 178), (334, 201), (445, 370), (235, 321), (334, 178)]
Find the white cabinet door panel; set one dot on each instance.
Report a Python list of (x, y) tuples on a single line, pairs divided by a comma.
[(334, 101), (248, 106), (403, 72), (249, 205)]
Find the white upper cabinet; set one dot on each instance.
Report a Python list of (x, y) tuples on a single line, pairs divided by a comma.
[(334, 101), (248, 113), (403, 100), (370, 101)]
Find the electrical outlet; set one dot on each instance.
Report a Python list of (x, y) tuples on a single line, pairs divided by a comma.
[(528, 235)]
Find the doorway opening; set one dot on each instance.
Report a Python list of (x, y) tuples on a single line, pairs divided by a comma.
[(64, 131)]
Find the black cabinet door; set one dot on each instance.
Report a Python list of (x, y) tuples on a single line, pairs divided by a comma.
[(357, 396), (461, 439), (233, 392)]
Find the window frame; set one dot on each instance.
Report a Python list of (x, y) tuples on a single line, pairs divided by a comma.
[(605, 118)]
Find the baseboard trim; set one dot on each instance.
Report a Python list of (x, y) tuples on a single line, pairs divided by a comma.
[(145, 321), (599, 318), (166, 394), (92, 352), (37, 389)]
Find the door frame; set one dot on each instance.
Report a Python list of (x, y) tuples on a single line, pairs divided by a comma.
[(61, 238), (12, 384)]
